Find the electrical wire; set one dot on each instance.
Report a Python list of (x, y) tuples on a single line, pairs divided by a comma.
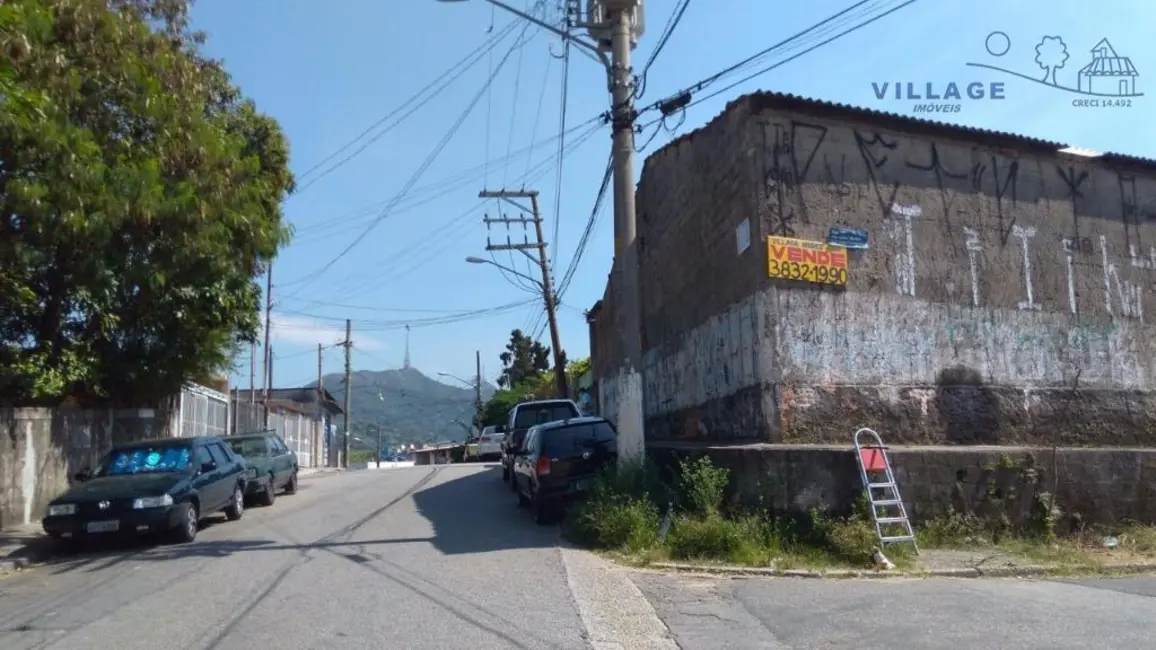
[(381, 325), (599, 201), (671, 24), (436, 243), (554, 239), (486, 47), (809, 49), (424, 166), (433, 191), (731, 69)]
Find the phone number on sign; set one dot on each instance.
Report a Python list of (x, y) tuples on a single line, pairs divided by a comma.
[(819, 273)]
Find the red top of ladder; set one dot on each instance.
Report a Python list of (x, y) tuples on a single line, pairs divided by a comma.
[(873, 459)]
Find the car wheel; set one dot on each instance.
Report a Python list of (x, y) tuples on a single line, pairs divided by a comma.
[(186, 530), (291, 486), (520, 499), (237, 508), (270, 494)]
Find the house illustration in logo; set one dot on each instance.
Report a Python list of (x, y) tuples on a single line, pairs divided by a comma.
[(1108, 73)]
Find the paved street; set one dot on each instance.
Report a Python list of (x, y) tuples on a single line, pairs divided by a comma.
[(439, 558), (409, 558), (962, 614)]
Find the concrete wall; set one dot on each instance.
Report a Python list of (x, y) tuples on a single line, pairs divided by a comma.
[(40, 449), (1091, 486), (1002, 299)]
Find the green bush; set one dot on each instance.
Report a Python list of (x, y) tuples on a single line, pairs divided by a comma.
[(745, 540), (621, 510), (703, 486)]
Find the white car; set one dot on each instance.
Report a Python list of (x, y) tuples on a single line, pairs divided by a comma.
[(490, 444)]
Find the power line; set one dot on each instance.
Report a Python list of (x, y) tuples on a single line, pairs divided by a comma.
[(671, 24), (562, 128), (435, 242), (599, 201), (381, 325), (799, 54), (707, 81), (424, 166), (434, 190), (485, 47)]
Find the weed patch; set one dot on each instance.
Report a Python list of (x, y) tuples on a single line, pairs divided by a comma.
[(624, 511)]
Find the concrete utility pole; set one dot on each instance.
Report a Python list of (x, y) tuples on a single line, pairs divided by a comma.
[(615, 27), (543, 264), (348, 344)]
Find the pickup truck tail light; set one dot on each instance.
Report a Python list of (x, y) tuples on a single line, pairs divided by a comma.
[(543, 466)]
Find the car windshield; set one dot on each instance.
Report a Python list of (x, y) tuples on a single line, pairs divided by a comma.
[(249, 447), (145, 460), (528, 416)]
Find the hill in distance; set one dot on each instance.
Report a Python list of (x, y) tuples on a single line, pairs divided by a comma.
[(412, 408)]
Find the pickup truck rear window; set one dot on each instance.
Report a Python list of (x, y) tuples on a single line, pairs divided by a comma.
[(567, 442), (540, 414)]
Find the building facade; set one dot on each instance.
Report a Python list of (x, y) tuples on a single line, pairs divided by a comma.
[(997, 288)]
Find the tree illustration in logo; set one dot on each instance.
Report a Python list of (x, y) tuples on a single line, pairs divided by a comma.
[(1051, 55)]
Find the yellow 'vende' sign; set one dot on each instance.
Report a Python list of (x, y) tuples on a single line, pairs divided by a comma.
[(806, 261)]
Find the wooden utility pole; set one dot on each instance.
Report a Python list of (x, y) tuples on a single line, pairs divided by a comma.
[(266, 374), (322, 429), (546, 285), (478, 390), (348, 344)]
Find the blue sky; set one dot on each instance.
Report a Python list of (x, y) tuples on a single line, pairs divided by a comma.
[(329, 71)]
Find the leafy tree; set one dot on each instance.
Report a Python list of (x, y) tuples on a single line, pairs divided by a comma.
[(524, 358), (139, 202)]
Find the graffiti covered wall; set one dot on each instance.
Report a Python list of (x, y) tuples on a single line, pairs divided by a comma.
[(1001, 297)]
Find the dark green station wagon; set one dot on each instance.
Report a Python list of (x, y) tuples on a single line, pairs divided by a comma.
[(272, 466)]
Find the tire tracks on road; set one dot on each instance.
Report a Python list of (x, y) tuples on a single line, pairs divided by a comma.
[(302, 558)]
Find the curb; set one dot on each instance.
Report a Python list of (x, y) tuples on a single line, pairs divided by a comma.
[(1026, 571)]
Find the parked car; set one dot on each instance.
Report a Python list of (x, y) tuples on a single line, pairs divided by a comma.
[(490, 444), (558, 461), (153, 486), (271, 465), (525, 415)]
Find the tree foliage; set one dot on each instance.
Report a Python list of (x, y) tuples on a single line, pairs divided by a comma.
[(538, 386), (139, 202), (523, 359)]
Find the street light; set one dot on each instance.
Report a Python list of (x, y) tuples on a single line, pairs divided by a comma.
[(551, 317), (479, 260), (615, 25)]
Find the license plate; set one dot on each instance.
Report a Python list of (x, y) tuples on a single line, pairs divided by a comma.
[(579, 485), (103, 526)]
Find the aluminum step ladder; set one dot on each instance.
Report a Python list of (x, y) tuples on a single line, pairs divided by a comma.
[(887, 509)]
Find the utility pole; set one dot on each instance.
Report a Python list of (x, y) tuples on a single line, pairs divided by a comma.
[(615, 25), (266, 375), (322, 428), (478, 390), (348, 344), (543, 264)]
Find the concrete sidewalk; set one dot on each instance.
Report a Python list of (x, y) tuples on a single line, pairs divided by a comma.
[(26, 544)]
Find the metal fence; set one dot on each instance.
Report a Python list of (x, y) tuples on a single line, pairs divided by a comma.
[(249, 416), (204, 412), (297, 432)]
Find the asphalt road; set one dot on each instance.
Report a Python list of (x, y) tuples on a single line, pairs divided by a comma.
[(415, 558), (963, 614)]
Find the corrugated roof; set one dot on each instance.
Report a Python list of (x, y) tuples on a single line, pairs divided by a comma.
[(763, 100)]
